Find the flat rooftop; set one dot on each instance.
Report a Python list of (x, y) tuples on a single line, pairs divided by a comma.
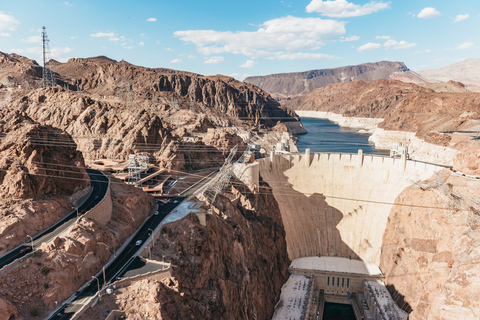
[(336, 264)]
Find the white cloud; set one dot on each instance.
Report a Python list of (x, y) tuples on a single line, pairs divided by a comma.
[(398, 45), (352, 38), (142, 34), (461, 17), (73, 37), (129, 47), (169, 49), (191, 56), (344, 9), (368, 47), (102, 34), (213, 60), (176, 61), (383, 37), (465, 45), (8, 22), (114, 39), (5, 34), (428, 13), (33, 39), (68, 4), (248, 64), (286, 34), (152, 19), (141, 43)]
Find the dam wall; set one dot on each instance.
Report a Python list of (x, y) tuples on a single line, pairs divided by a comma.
[(338, 204)]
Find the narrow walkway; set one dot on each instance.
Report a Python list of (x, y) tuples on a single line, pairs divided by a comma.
[(356, 309)]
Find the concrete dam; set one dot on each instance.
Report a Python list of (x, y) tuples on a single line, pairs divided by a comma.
[(337, 205)]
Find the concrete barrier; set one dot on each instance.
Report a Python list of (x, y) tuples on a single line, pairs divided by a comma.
[(338, 204)]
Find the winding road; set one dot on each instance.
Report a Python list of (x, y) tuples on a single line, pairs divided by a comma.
[(99, 184), (117, 266)]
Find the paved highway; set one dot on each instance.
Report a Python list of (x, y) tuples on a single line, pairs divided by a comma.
[(118, 265), (99, 184)]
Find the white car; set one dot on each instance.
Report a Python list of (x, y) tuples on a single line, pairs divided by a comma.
[(156, 213), (139, 242)]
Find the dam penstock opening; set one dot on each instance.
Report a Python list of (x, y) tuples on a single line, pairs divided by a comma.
[(335, 208)]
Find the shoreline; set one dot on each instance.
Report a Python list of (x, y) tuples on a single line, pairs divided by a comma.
[(418, 149)]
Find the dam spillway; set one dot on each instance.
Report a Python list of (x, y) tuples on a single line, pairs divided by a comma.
[(338, 204)]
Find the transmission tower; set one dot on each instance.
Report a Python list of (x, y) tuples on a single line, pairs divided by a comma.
[(136, 165), (222, 178), (48, 76)]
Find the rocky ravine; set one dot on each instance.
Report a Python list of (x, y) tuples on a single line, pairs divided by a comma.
[(232, 268), (284, 86)]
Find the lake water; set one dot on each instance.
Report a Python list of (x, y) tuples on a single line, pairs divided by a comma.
[(326, 136)]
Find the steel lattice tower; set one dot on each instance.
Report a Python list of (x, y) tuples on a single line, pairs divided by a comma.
[(47, 75)]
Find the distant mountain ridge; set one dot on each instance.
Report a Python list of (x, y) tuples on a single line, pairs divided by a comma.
[(466, 72), (288, 85)]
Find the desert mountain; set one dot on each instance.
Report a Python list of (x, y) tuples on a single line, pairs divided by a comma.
[(112, 109), (404, 106), (467, 72), (287, 85)]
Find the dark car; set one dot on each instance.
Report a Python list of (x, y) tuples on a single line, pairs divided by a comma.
[(96, 198), (26, 249)]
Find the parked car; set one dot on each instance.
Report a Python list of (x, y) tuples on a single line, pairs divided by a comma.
[(139, 242), (156, 213), (26, 249), (96, 198)]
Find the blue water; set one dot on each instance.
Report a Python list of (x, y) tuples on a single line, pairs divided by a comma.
[(326, 136)]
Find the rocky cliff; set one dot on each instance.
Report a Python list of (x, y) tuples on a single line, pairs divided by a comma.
[(289, 85), (232, 268), (430, 249)]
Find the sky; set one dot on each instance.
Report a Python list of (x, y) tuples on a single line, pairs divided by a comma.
[(246, 38)]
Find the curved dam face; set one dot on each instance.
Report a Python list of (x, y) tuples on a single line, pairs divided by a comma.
[(338, 204)]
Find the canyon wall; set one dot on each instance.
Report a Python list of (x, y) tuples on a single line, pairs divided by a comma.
[(338, 204)]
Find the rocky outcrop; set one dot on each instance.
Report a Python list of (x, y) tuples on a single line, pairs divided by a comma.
[(40, 171), (232, 268), (289, 85), (17, 70), (37, 160), (430, 249)]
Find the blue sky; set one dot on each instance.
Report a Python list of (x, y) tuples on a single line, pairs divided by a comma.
[(241, 38)]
